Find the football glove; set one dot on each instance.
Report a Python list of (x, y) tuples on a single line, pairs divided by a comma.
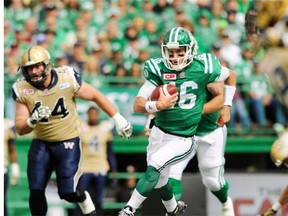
[(15, 174), (41, 112), (123, 127)]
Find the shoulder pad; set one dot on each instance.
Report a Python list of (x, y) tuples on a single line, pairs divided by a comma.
[(63, 69)]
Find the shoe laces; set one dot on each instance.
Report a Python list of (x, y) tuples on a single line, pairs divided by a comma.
[(127, 211)]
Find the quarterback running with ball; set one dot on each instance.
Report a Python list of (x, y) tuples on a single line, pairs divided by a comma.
[(172, 137)]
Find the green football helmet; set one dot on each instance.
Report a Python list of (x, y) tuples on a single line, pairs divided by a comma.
[(176, 38), (32, 56)]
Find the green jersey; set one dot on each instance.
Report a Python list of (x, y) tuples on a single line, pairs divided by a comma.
[(207, 123), (183, 118)]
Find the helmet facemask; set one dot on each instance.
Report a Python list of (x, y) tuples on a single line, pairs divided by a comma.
[(178, 38), (31, 58)]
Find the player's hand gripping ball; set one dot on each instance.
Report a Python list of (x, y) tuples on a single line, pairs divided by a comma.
[(168, 89)]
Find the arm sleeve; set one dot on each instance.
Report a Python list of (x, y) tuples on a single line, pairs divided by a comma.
[(14, 94), (78, 77), (146, 90), (224, 74)]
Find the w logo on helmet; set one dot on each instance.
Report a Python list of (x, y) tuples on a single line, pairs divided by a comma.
[(68, 145)]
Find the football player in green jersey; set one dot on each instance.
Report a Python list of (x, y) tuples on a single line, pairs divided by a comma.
[(210, 144), (45, 105), (177, 116)]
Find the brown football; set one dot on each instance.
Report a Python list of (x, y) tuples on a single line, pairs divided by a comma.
[(168, 89)]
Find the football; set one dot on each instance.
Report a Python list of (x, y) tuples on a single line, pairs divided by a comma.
[(168, 89)]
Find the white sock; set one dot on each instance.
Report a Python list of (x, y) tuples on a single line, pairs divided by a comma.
[(276, 206), (87, 206), (136, 199), (170, 205)]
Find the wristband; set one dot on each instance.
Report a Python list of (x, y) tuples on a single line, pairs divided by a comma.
[(30, 124), (229, 92), (117, 117), (151, 107), (276, 206), (15, 169)]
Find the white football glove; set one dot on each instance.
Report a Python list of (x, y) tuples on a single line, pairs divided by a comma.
[(123, 127), (15, 174), (41, 112)]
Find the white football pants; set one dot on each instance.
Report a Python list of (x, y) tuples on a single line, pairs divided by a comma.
[(164, 150), (210, 151)]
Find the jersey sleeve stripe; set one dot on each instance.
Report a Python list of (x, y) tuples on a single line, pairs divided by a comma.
[(205, 64), (151, 67), (210, 63), (71, 73), (153, 82), (156, 67), (16, 91)]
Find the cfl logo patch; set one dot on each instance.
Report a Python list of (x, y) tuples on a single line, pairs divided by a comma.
[(68, 145)]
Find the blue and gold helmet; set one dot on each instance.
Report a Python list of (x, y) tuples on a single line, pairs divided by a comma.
[(32, 56), (279, 151)]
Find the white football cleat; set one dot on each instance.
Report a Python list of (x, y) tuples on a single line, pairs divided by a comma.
[(127, 211), (180, 209)]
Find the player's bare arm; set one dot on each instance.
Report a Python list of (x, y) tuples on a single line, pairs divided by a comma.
[(217, 89), (21, 116), (224, 116), (231, 80), (87, 92), (283, 199), (229, 91)]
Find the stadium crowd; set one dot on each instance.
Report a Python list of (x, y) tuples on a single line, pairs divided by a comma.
[(115, 37)]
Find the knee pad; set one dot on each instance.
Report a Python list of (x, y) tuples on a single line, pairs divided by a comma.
[(78, 196), (163, 178), (211, 183), (213, 179), (151, 174)]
